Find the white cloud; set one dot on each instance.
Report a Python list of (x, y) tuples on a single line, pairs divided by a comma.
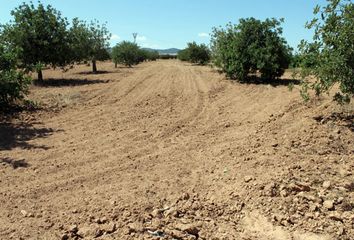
[(115, 37), (141, 38), (203, 35)]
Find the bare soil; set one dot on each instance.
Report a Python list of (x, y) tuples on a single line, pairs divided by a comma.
[(167, 150)]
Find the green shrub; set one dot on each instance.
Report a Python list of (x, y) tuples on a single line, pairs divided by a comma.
[(127, 53), (330, 57), (195, 53), (183, 55), (152, 55), (251, 46), (13, 84)]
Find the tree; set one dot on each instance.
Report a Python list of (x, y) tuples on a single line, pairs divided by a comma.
[(40, 34), (152, 55), (330, 57), (127, 53), (199, 54), (13, 83), (89, 41), (251, 46), (184, 55), (195, 53)]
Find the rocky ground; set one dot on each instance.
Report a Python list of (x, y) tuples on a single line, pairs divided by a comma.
[(168, 150)]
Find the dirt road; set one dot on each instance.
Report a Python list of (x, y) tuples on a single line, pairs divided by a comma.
[(174, 151)]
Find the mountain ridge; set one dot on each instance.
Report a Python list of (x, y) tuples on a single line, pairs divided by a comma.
[(170, 51)]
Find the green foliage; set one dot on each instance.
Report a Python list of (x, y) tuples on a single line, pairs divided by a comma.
[(291, 87), (40, 35), (251, 46), (195, 53), (127, 53), (183, 55), (295, 60), (152, 55), (330, 56), (199, 54), (147, 55), (13, 83), (89, 41)]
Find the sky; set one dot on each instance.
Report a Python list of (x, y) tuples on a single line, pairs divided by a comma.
[(162, 24)]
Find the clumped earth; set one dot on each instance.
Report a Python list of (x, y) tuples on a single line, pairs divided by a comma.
[(167, 150)]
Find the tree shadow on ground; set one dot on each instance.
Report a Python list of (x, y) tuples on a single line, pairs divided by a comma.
[(18, 135), (15, 163), (94, 73), (273, 82), (52, 82)]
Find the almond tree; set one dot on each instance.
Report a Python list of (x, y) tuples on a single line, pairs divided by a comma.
[(330, 56), (89, 41), (40, 34)]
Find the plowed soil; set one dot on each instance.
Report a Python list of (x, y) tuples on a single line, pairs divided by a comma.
[(167, 150)]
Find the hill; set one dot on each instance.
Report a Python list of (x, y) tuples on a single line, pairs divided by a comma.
[(170, 51)]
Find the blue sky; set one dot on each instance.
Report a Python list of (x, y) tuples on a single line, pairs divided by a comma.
[(173, 23)]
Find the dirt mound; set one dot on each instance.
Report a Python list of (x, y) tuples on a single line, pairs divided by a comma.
[(168, 150)]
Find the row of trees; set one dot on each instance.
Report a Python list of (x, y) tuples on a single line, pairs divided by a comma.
[(254, 47), (40, 36)]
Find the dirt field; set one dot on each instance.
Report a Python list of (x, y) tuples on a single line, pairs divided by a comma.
[(168, 150)]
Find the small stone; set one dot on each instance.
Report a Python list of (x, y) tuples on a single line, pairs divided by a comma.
[(328, 204), (248, 179), (109, 228), (313, 207), (185, 196), (171, 212), (24, 213), (340, 200), (270, 190), (189, 228), (103, 220), (64, 237), (227, 125), (336, 217), (283, 193), (299, 187), (176, 234), (326, 184), (156, 213), (308, 197), (341, 231), (73, 229), (137, 228), (87, 231)]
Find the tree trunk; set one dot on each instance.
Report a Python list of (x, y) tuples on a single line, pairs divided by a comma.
[(40, 75), (94, 67), (115, 64)]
